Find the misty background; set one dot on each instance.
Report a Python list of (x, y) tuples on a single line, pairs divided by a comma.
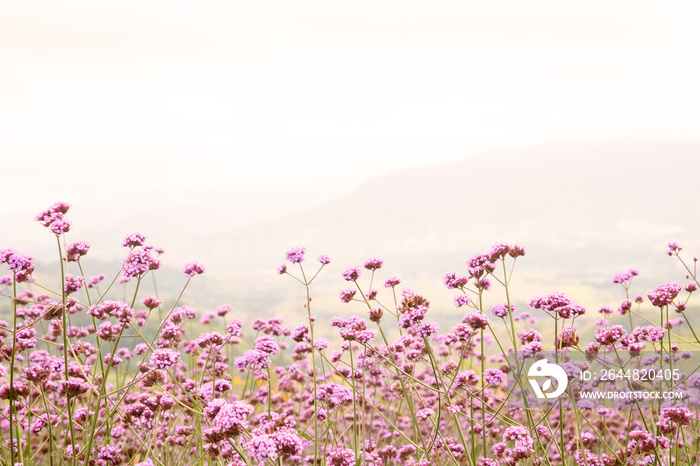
[(417, 132)]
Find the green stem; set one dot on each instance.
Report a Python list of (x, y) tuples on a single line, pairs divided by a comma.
[(65, 347), (354, 397), (307, 285), (12, 370)]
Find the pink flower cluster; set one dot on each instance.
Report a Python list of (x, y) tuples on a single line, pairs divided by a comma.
[(53, 218), (114, 386), (138, 262), (558, 303), (663, 295), (21, 266)]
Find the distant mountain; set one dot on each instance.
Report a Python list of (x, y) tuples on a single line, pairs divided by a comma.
[(584, 213), (598, 208)]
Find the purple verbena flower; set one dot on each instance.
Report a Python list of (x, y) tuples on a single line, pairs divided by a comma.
[(134, 240), (255, 361), (73, 283), (296, 255), (452, 281), (234, 328), (625, 307), (625, 277), (557, 303), (272, 326), (193, 268), (647, 333), (567, 338), (222, 310), (76, 250), (301, 333), (74, 386), (663, 295), (117, 309), (476, 320), (347, 295), (352, 274), (392, 282), (529, 350), (340, 456), (110, 455), (494, 377), (262, 447), (108, 331), (502, 310), (151, 302), (480, 264), (499, 251), (610, 335), (333, 395), (22, 266), (94, 281), (56, 211), (673, 248), (462, 300), (374, 264), (60, 227), (164, 358), (267, 345), (138, 262)]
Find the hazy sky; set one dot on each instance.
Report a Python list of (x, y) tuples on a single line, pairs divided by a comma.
[(138, 104)]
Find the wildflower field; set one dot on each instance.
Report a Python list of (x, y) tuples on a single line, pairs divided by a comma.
[(88, 378)]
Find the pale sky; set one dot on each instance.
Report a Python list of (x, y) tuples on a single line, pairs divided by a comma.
[(141, 104)]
